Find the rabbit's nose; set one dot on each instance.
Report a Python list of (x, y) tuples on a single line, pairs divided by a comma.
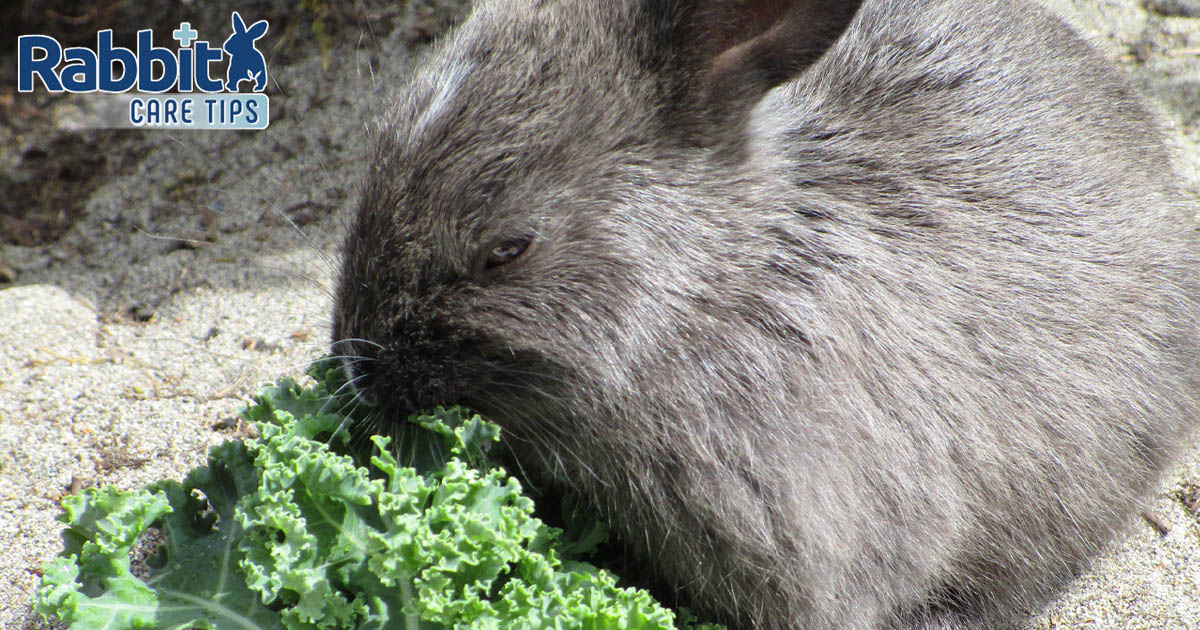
[(360, 382)]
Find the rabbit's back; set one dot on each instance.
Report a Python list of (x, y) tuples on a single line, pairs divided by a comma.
[(1009, 326)]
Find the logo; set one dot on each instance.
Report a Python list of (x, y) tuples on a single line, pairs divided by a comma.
[(165, 88)]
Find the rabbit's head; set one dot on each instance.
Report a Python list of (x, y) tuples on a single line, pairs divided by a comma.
[(553, 202), (241, 41)]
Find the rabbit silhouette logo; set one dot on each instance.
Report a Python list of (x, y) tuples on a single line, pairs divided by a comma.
[(155, 86), (246, 63)]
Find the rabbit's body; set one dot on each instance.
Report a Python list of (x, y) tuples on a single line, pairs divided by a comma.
[(899, 345)]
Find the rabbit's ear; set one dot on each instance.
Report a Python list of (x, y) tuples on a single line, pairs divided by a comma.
[(239, 26), (258, 29), (724, 55)]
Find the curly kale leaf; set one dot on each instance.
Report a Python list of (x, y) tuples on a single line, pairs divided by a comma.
[(191, 580), (296, 530)]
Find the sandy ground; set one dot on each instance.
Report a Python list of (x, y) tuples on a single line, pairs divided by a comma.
[(202, 264)]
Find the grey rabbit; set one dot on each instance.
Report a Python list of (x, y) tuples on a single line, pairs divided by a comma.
[(844, 315)]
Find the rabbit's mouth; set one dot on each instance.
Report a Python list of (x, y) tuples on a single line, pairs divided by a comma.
[(400, 381)]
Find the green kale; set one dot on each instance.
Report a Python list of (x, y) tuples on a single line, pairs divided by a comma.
[(296, 530)]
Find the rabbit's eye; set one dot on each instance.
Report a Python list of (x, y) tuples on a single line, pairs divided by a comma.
[(507, 251)]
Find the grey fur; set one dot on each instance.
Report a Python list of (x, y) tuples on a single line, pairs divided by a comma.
[(899, 344)]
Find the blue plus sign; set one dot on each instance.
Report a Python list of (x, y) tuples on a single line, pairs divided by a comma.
[(184, 34)]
